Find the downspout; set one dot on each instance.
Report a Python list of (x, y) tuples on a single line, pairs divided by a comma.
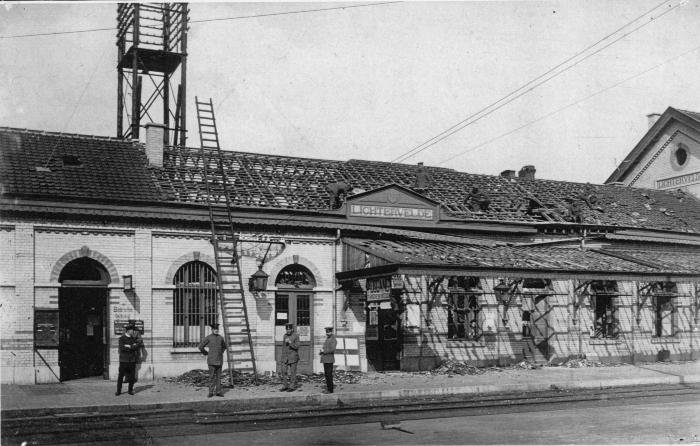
[(336, 242)]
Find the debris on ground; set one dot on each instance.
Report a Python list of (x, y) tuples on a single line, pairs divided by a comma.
[(200, 378), (579, 363), (451, 367)]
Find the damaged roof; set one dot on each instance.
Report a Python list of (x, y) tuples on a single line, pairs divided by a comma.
[(444, 255), (82, 167)]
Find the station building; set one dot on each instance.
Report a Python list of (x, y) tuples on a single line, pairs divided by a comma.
[(412, 264)]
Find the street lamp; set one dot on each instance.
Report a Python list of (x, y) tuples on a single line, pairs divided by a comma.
[(258, 281), (128, 283), (504, 296)]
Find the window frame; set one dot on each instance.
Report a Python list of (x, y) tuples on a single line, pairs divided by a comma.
[(470, 310), (604, 297), (198, 288)]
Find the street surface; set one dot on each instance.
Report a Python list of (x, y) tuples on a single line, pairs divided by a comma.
[(664, 420)]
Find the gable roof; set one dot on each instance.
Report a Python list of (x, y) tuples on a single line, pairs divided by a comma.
[(632, 160), (117, 170)]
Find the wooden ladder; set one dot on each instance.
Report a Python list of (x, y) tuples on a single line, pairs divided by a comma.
[(234, 312)]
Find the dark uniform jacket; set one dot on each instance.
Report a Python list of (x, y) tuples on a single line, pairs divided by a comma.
[(328, 356), (130, 353), (290, 350), (216, 345)]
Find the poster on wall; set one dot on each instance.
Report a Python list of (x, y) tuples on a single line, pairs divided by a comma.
[(46, 328)]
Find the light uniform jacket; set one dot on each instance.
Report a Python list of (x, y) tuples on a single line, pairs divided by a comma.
[(216, 345), (290, 351), (328, 356)]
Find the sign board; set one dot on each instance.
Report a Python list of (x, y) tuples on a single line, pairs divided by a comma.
[(678, 181), (396, 282), (378, 295), (46, 328), (404, 213), (119, 325)]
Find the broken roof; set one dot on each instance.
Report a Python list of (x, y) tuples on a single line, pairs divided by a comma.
[(95, 169), (463, 258)]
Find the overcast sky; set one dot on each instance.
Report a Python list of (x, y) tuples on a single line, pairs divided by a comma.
[(374, 82)]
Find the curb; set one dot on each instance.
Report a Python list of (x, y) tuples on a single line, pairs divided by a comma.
[(324, 400)]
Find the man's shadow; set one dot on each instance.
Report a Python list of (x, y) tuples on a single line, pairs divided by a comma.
[(139, 389)]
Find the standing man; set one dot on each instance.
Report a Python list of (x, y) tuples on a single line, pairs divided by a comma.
[(215, 359), (290, 358), (129, 346), (328, 358)]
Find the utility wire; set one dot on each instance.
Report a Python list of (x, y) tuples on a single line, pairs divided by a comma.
[(541, 118), (473, 117), (302, 11)]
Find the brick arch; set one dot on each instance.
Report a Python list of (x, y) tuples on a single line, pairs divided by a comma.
[(189, 257), (303, 261), (85, 252)]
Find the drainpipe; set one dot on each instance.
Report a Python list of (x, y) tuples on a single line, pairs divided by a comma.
[(335, 280)]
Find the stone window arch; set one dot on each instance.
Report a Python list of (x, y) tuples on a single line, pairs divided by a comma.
[(103, 260)]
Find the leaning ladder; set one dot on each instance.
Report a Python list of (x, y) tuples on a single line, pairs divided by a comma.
[(234, 312)]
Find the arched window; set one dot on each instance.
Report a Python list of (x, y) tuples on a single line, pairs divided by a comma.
[(295, 276), (194, 303)]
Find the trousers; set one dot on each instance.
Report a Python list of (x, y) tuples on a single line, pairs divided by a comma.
[(328, 371), (289, 375), (126, 370), (214, 379)]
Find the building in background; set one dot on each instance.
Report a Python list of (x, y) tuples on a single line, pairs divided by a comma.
[(99, 231), (667, 157)]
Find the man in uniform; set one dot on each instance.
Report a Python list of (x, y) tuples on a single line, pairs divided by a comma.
[(129, 346), (290, 358), (328, 358), (215, 359)]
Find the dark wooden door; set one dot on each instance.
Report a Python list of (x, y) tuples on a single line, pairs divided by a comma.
[(295, 308), (82, 343)]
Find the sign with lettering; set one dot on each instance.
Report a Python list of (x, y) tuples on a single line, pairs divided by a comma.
[(392, 202), (119, 325), (682, 180), (378, 295), (374, 211)]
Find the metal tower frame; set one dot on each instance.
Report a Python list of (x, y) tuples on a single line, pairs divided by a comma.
[(152, 43)]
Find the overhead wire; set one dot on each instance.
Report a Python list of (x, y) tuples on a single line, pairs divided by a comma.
[(251, 16), (528, 86), (552, 113)]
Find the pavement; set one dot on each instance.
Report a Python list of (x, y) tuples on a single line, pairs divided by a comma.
[(96, 396)]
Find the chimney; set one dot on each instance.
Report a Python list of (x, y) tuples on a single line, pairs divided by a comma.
[(154, 144), (527, 172), (652, 118), (509, 174)]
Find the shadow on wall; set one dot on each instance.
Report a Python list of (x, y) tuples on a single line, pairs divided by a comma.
[(263, 307)]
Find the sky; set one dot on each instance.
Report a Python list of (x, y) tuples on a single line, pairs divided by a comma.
[(375, 82)]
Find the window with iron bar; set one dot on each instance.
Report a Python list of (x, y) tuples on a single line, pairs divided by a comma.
[(194, 303), (604, 297)]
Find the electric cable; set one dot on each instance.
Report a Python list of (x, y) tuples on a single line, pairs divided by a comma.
[(464, 123), (510, 132), (78, 31)]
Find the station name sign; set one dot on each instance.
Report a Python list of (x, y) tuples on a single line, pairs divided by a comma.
[(682, 180), (378, 295), (378, 211)]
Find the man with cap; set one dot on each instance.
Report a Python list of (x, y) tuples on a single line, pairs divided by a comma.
[(215, 359), (328, 358), (129, 347), (290, 358)]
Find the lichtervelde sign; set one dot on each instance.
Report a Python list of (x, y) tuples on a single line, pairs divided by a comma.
[(393, 202), (360, 210)]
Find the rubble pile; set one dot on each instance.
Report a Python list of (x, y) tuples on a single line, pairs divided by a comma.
[(525, 364), (581, 362), (451, 367), (200, 378)]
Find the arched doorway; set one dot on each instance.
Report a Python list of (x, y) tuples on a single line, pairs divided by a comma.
[(295, 284), (82, 306)]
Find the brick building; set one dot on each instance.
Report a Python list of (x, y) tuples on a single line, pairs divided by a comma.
[(667, 157), (411, 264)]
